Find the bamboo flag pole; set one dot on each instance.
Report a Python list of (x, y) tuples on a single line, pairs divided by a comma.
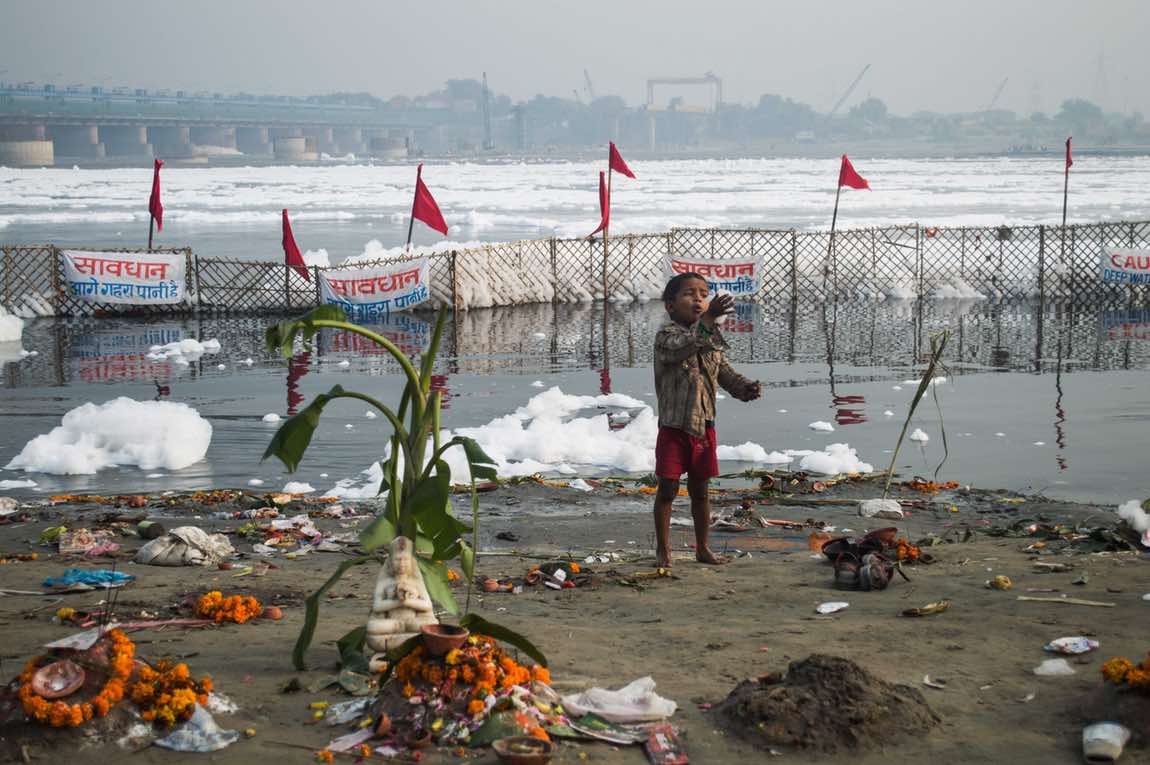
[(414, 198), (607, 227), (1065, 195)]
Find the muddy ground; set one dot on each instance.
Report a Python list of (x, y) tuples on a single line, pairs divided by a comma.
[(698, 634)]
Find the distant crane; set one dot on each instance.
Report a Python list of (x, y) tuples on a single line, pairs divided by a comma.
[(714, 81), (848, 92), (590, 87), (997, 94), (488, 144)]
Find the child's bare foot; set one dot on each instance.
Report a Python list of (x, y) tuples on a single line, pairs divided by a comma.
[(705, 555)]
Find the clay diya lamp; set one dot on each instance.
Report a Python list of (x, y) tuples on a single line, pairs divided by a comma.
[(439, 639), (58, 679), (523, 750), (418, 739)]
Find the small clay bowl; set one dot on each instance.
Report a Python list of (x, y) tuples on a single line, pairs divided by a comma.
[(418, 740), (523, 750), (438, 639), (58, 679)]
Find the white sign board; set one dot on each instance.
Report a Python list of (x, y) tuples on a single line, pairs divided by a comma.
[(741, 277), (128, 278), (365, 293), (1125, 265)]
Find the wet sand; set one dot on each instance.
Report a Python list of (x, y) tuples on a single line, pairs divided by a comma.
[(698, 634)]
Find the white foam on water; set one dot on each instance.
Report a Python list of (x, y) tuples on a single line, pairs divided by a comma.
[(581, 485), (344, 364), (538, 384), (271, 417), (298, 487), (11, 327), (247, 362), (183, 351), (1000, 435), (370, 414), (888, 413), (120, 432), (1132, 513), (17, 484), (782, 411), (752, 452), (956, 289), (835, 459), (919, 435), (1040, 443), (255, 482), (933, 381), (822, 425), (539, 335)]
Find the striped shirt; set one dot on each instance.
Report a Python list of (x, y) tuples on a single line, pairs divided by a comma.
[(689, 364)]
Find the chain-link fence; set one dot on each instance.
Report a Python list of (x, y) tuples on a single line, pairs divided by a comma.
[(898, 261)]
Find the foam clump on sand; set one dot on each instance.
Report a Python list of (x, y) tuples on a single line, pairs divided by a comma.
[(183, 351), (555, 432), (120, 432), (835, 459)]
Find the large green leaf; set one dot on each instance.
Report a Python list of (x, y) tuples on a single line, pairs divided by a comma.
[(480, 626), (381, 531), (311, 610), (281, 337), (467, 560), (294, 436), (430, 506), (438, 587), (482, 466), (351, 650)]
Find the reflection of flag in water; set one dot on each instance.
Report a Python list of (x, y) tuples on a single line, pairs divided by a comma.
[(297, 368), (604, 381), (849, 416), (439, 385)]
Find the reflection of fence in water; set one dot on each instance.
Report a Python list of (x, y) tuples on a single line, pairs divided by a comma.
[(911, 260), (1008, 335)]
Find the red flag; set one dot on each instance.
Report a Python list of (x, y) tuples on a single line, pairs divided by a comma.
[(155, 207), (292, 258), (617, 164), (1069, 160), (424, 207), (848, 176), (604, 206)]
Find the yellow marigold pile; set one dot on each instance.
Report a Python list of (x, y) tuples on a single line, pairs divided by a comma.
[(476, 670), (1122, 671), (60, 714), (167, 693), (234, 608)]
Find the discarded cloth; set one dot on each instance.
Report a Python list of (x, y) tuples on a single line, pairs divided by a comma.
[(98, 578), (635, 702), (186, 546), (199, 734)]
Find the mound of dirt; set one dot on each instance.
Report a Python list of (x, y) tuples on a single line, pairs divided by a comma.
[(825, 704)]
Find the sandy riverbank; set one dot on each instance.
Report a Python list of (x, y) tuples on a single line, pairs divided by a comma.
[(698, 634)]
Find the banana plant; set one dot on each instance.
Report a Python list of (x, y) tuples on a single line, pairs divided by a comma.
[(416, 524)]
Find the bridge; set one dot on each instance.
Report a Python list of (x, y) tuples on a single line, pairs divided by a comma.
[(42, 124)]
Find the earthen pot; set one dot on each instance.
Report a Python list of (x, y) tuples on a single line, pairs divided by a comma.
[(58, 679), (523, 750), (438, 639)]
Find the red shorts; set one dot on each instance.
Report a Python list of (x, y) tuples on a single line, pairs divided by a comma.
[(677, 452)]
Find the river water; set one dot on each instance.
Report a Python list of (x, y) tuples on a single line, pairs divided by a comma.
[(1064, 386)]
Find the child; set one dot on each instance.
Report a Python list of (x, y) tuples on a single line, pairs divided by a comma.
[(689, 364)]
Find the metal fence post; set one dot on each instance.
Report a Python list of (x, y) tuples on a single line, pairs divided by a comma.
[(794, 265), (315, 281), (455, 283), (918, 255), (1041, 263), (57, 293), (287, 286), (554, 270), (712, 243), (7, 254)]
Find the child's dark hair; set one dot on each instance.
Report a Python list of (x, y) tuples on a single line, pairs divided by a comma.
[(671, 291)]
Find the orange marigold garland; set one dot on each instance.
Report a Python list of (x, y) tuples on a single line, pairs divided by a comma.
[(60, 714), (167, 694), (1122, 671), (234, 608)]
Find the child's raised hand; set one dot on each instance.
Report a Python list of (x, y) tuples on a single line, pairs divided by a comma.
[(754, 391), (720, 305)]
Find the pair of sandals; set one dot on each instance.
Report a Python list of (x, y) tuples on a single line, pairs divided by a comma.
[(861, 565)]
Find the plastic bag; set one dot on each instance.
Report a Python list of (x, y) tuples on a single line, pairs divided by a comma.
[(186, 546), (635, 702)]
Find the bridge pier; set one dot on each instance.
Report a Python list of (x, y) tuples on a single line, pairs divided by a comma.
[(253, 140), (171, 142), (213, 141), (350, 141), (126, 141), (77, 141), (322, 138), (30, 153)]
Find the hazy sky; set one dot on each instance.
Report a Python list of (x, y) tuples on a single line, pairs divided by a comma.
[(946, 55)]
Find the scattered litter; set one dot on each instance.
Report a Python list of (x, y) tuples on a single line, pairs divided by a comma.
[(936, 683), (346, 711), (929, 609), (1000, 582), (1054, 668), (888, 413), (664, 747), (247, 362), (271, 417), (831, 607), (822, 425), (1071, 646), (634, 702), (1028, 698), (1104, 741), (255, 482), (538, 384), (199, 734), (880, 508), (186, 546), (1068, 601), (91, 578)]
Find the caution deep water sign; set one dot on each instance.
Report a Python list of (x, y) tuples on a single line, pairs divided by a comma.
[(1125, 265)]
